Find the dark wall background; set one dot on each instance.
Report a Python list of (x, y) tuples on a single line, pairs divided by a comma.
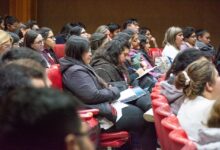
[(4, 7)]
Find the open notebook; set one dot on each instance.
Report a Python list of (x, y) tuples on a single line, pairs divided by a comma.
[(131, 94), (146, 72)]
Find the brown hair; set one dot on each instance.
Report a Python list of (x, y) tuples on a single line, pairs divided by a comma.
[(214, 119), (199, 73)]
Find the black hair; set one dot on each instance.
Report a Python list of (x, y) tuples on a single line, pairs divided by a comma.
[(122, 36), (113, 26), (22, 53), (76, 46), (44, 31), (80, 24), (37, 119), (31, 23), (16, 74), (97, 40), (129, 21), (143, 30), (200, 32), (188, 31), (183, 59), (10, 20), (30, 37), (143, 40), (129, 31), (75, 31), (15, 37), (66, 29), (113, 49)]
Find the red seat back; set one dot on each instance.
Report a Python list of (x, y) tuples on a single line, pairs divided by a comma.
[(178, 138), (59, 50), (160, 113), (155, 52), (55, 76), (168, 124)]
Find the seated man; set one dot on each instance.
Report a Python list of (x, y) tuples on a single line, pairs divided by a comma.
[(41, 119), (21, 73)]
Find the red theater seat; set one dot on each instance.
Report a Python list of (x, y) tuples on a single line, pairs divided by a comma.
[(178, 139), (59, 50), (55, 76), (107, 140), (168, 124), (159, 114)]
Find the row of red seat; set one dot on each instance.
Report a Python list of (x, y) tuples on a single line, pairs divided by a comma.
[(170, 134)]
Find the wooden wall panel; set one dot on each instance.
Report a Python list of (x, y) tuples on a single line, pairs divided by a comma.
[(156, 14), (23, 9)]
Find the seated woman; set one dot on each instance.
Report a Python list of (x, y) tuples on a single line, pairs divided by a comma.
[(174, 96), (210, 137), (172, 41), (49, 43), (81, 80), (98, 40), (34, 41), (189, 38), (201, 85), (144, 48)]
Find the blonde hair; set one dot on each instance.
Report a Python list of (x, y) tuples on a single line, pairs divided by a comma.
[(214, 119), (193, 80), (102, 29), (170, 35), (4, 37)]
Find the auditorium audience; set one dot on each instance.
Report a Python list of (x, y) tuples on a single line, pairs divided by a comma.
[(200, 83), (82, 81), (120, 58), (174, 96)]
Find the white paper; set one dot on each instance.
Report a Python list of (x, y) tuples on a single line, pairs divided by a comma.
[(126, 94), (118, 107), (146, 71)]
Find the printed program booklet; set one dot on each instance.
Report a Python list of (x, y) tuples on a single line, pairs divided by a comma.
[(131, 94)]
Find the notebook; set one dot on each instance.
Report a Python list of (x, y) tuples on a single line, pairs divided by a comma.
[(131, 94), (146, 72)]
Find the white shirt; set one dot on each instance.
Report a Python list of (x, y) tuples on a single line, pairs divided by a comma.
[(193, 115), (170, 51)]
